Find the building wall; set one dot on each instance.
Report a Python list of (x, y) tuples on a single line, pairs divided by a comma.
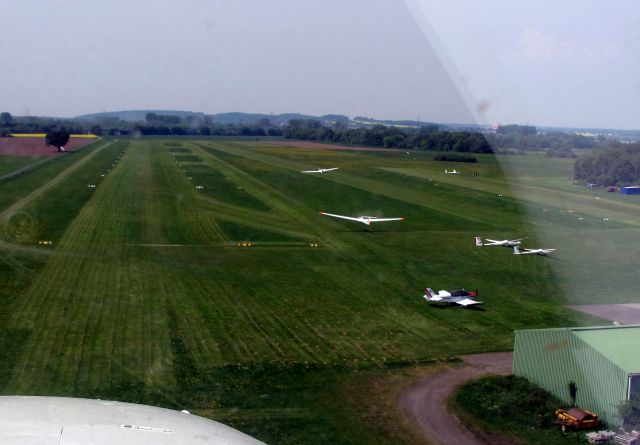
[(551, 358)]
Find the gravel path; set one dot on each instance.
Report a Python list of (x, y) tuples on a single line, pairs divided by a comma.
[(425, 401)]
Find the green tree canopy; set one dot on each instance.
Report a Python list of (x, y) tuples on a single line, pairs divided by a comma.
[(629, 411), (5, 118), (57, 138)]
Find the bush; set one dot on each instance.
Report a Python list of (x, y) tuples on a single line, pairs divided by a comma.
[(455, 158), (513, 400)]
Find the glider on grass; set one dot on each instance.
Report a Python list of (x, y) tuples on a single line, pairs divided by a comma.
[(451, 172), (362, 219), (320, 170), (543, 252), (495, 242)]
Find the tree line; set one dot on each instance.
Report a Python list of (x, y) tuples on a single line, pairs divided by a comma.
[(618, 164), (425, 138), (154, 124), (507, 139)]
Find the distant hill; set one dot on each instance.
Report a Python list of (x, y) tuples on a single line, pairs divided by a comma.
[(240, 118), (252, 118), (219, 118), (134, 115), (366, 121)]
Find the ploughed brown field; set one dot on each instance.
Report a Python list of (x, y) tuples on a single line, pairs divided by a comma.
[(36, 146)]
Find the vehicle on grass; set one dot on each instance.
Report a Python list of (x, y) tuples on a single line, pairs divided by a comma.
[(543, 252), (493, 242), (460, 297), (363, 219), (320, 170)]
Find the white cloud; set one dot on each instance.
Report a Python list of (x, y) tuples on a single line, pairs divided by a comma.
[(534, 44)]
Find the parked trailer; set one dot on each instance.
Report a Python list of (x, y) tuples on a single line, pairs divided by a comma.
[(633, 190)]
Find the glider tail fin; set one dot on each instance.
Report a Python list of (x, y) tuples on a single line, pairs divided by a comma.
[(516, 250), (478, 241)]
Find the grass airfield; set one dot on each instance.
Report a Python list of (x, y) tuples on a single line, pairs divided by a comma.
[(217, 300)]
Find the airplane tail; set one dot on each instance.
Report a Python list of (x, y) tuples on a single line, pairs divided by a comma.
[(516, 250), (478, 241), (428, 293)]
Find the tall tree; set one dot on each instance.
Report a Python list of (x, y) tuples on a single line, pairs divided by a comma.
[(57, 138), (5, 118)]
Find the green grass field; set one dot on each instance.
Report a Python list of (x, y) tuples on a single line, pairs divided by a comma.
[(9, 164), (147, 293)]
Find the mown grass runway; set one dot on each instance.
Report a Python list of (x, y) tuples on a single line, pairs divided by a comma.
[(149, 295)]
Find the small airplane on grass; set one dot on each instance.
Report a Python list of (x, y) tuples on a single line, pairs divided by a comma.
[(543, 252), (460, 297), (362, 219), (495, 242), (320, 170), (451, 172)]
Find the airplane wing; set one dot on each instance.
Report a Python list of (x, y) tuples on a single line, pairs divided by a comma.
[(351, 218), (468, 302), (310, 171), (329, 169), (386, 219), (432, 297)]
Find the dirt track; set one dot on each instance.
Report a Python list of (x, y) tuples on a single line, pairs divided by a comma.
[(425, 401)]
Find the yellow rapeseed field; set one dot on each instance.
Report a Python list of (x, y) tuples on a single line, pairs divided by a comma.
[(41, 135)]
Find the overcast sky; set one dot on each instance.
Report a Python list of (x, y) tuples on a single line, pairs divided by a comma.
[(560, 63)]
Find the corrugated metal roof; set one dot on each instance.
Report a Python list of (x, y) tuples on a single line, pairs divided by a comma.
[(619, 344), (597, 359)]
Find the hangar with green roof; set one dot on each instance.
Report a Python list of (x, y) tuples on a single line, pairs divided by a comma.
[(602, 362)]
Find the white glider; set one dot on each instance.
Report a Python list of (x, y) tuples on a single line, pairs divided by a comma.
[(320, 170), (543, 252), (363, 219), (452, 172), (495, 242)]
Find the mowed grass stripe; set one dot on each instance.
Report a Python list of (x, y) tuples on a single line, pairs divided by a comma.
[(83, 282), (174, 199), (536, 193), (7, 212), (21, 186), (282, 205), (420, 197)]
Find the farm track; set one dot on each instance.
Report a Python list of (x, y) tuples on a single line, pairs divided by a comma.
[(425, 402)]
